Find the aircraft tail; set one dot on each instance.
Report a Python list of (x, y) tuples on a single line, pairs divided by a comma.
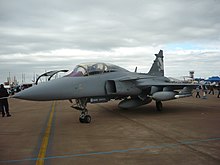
[(157, 68)]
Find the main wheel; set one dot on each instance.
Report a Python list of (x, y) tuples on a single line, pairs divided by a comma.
[(159, 106)]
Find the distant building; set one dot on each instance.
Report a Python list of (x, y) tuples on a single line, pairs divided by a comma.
[(191, 74)]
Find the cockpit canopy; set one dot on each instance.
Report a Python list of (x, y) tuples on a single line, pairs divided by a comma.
[(87, 69)]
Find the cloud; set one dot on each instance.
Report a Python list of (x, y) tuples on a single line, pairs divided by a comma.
[(39, 35)]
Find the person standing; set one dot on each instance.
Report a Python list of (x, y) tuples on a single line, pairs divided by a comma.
[(218, 92), (211, 89), (197, 92), (204, 90), (4, 101)]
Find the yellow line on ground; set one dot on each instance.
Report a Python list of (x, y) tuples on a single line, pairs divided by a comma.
[(43, 148)]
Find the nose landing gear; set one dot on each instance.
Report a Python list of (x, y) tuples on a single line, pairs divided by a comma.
[(81, 106)]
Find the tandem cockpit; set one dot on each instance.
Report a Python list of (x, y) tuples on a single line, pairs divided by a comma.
[(87, 69)]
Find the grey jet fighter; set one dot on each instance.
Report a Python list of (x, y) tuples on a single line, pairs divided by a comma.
[(102, 82)]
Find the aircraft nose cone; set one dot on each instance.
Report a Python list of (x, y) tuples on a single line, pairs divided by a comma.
[(58, 89), (32, 93)]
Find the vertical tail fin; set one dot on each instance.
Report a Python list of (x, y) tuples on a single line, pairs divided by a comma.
[(157, 68)]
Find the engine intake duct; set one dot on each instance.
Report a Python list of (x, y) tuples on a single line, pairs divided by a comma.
[(121, 88)]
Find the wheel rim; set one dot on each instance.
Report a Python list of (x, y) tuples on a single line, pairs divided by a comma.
[(88, 119)]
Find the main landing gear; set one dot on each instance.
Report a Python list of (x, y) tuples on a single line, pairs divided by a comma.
[(159, 106), (81, 106)]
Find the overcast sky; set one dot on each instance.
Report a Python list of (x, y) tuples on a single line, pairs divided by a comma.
[(39, 35)]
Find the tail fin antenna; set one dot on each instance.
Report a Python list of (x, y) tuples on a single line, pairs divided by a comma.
[(157, 69)]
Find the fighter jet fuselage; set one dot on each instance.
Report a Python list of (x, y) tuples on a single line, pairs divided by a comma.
[(101, 82)]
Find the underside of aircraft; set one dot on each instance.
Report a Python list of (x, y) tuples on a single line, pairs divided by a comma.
[(102, 82)]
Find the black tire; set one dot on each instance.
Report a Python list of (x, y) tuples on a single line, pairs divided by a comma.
[(159, 106), (87, 119), (82, 120)]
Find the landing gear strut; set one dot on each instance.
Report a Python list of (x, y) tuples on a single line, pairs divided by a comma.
[(81, 106), (159, 106)]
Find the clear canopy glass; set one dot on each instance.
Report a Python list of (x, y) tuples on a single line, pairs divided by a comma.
[(87, 69)]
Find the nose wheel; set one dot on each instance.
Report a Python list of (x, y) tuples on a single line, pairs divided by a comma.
[(85, 118)]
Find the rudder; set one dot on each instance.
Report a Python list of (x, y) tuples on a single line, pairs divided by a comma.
[(157, 68)]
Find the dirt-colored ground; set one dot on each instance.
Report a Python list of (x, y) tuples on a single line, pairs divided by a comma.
[(186, 132)]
